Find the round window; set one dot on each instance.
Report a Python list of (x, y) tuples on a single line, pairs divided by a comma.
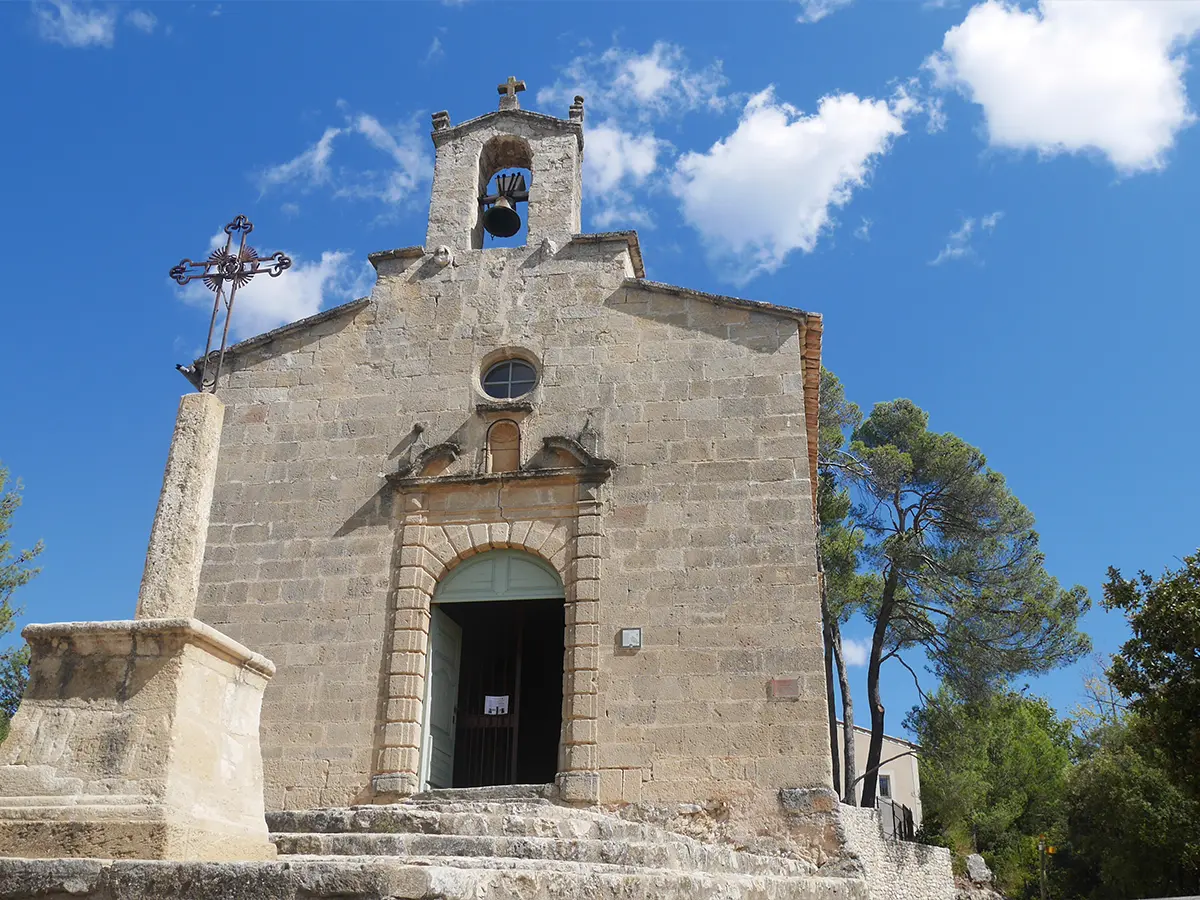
[(508, 379)]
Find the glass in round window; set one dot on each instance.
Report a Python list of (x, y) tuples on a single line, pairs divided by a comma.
[(508, 379)]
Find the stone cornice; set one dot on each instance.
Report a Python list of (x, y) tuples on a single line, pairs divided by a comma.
[(130, 631), (771, 309), (399, 253), (587, 474), (540, 120)]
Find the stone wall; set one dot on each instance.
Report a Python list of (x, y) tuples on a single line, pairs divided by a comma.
[(896, 870), (707, 534)]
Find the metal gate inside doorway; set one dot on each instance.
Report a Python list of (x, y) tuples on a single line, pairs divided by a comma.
[(495, 676), (510, 693)]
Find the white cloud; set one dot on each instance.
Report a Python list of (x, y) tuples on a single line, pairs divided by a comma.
[(61, 23), (615, 156), (816, 10), (656, 83), (291, 210), (435, 50), (913, 98), (863, 231), (958, 243), (767, 189), (1070, 77), (303, 290), (616, 162), (408, 166), (854, 652), (406, 149), (310, 167), (142, 20)]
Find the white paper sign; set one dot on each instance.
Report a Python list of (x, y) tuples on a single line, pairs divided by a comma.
[(495, 706)]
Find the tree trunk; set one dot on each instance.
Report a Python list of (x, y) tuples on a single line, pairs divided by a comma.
[(875, 748), (851, 766), (830, 698)]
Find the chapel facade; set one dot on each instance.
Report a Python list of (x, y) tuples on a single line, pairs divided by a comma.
[(524, 516)]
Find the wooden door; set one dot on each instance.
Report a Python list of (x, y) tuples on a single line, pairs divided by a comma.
[(445, 658)]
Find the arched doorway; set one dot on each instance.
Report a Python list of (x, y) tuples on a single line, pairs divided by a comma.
[(494, 677)]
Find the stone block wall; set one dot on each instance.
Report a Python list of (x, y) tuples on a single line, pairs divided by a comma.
[(896, 870), (704, 531)]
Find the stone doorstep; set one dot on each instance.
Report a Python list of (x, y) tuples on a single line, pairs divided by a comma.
[(500, 792), (358, 878), (669, 853)]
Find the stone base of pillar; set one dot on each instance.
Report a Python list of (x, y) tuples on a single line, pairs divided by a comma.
[(136, 740)]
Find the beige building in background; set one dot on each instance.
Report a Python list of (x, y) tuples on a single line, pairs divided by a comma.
[(899, 776)]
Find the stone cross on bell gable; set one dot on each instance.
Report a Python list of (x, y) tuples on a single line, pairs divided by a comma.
[(508, 93)]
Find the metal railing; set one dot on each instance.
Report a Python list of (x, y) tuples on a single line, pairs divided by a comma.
[(897, 820)]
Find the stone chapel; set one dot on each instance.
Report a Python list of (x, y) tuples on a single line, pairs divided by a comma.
[(531, 475), (522, 526)]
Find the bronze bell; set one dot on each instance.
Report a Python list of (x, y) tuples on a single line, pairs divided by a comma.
[(500, 219)]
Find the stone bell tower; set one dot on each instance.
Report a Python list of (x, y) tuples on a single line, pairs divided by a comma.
[(468, 155)]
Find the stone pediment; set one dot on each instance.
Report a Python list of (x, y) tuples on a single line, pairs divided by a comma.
[(512, 120), (559, 457)]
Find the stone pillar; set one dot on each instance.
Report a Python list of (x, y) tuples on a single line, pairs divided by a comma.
[(139, 739), (171, 579), (580, 780)]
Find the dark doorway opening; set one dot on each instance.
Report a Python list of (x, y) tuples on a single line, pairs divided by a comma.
[(509, 691)]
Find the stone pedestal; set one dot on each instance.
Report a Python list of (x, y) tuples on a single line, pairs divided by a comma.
[(136, 740)]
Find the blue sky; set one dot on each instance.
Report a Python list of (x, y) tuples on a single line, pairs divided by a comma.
[(994, 207)]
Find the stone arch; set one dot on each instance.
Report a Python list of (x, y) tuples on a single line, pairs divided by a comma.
[(503, 446), (498, 153), (451, 544), (571, 547), (501, 573), (503, 151)]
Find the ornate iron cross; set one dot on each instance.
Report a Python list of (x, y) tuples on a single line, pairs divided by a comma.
[(225, 266)]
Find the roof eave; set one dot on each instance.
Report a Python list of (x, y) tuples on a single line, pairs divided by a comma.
[(283, 331)]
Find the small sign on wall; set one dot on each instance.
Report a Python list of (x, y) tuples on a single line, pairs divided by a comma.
[(495, 706), (784, 689)]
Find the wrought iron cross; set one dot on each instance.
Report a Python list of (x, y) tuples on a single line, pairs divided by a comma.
[(225, 266)]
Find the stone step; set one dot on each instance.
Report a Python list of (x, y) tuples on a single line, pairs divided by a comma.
[(673, 852), (497, 820), (382, 878), (500, 792)]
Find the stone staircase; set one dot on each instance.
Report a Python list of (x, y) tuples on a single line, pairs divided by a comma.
[(511, 843), (516, 842)]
